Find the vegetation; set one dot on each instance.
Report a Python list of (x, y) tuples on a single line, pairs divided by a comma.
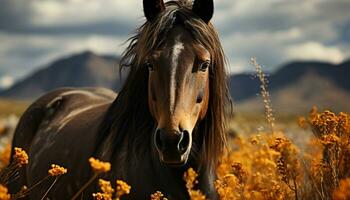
[(12, 107), (266, 164)]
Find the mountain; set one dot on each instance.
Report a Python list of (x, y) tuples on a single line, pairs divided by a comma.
[(296, 87), (80, 70), (245, 86)]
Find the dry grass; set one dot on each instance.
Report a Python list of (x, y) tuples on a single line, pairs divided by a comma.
[(12, 107), (260, 166), (271, 166)]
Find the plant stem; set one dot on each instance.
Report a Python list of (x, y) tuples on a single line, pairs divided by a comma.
[(295, 188), (48, 190), (84, 186), (25, 193)]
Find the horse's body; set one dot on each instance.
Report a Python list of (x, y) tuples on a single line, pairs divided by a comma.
[(168, 117), (60, 127), (64, 127)]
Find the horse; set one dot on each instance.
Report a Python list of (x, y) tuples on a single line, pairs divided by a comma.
[(169, 115)]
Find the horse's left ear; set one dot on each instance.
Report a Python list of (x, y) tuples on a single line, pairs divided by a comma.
[(152, 8), (204, 9)]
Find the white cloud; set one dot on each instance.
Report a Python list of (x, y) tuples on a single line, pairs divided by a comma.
[(20, 54), (71, 12), (6, 82), (274, 31), (315, 51)]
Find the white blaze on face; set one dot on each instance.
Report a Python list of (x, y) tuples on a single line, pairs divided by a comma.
[(176, 51)]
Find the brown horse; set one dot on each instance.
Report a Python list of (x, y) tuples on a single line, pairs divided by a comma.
[(168, 116)]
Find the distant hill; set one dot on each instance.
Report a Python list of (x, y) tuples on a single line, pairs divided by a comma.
[(245, 86), (80, 70), (295, 87)]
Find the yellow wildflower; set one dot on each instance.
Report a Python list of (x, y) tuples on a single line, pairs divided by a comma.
[(330, 139), (191, 180), (57, 170), (158, 196), (196, 195), (106, 187), (122, 188), (101, 196), (239, 172), (324, 123), (302, 122), (21, 157), (4, 195), (343, 191), (226, 186), (99, 166)]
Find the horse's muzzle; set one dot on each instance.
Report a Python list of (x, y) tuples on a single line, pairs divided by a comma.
[(173, 147)]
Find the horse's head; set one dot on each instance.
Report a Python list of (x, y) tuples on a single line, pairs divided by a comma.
[(178, 84)]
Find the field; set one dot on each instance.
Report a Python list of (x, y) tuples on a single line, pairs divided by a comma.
[(269, 156)]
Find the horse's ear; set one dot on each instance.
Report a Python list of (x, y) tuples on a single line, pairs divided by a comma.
[(204, 9), (152, 8)]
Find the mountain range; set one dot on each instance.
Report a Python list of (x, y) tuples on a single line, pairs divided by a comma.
[(294, 87)]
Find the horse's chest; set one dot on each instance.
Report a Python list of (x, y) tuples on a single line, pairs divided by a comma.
[(146, 181)]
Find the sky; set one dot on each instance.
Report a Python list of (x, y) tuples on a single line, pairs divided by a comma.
[(33, 33)]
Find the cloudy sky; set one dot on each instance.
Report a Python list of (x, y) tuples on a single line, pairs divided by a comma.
[(35, 32)]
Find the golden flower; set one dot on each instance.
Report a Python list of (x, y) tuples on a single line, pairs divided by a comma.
[(57, 170), (158, 196), (344, 123), (196, 195), (302, 122), (101, 196), (191, 178), (280, 144), (107, 190), (20, 157), (255, 139), (343, 191), (106, 187), (4, 195), (239, 172), (99, 166), (226, 186), (324, 123), (122, 188), (330, 139), (288, 165)]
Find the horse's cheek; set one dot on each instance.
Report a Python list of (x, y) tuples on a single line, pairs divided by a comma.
[(205, 102)]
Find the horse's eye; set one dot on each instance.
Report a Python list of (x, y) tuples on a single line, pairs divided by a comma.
[(204, 66), (149, 65)]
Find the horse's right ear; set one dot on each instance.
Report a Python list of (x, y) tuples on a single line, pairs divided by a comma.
[(152, 8)]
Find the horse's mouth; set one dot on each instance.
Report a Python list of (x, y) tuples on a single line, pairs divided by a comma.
[(177, 161), (174, 164)]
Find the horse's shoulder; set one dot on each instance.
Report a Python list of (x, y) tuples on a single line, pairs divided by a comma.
[(64, 100), (80, 95)]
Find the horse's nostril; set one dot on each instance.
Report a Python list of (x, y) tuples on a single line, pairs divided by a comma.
[(158, 140), (184, 142)]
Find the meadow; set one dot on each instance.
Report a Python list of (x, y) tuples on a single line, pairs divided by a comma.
[(269, 156)]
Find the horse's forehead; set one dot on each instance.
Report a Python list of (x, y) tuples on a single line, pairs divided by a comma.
[(178, 34), (180, 49)]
